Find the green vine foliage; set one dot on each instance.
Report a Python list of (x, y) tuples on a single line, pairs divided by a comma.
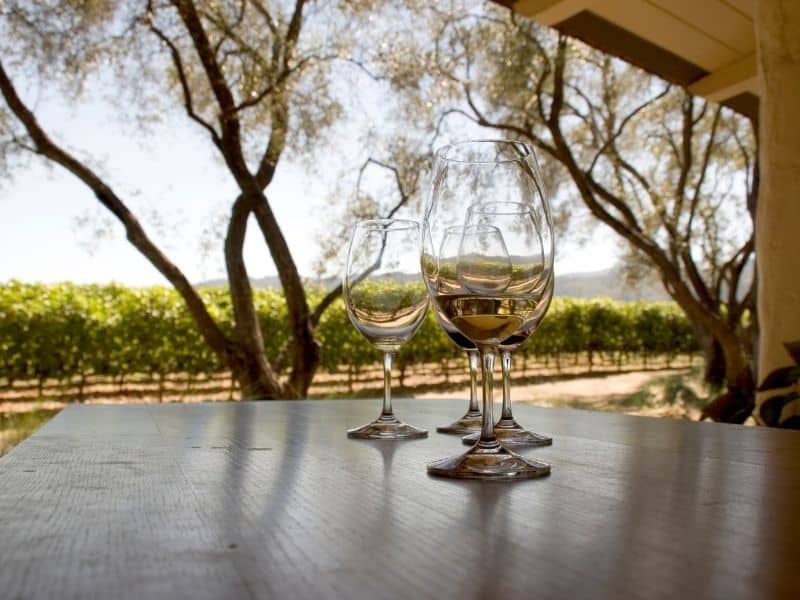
[(64, 331)]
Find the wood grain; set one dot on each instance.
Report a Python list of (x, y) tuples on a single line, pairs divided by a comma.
[(271, 500)]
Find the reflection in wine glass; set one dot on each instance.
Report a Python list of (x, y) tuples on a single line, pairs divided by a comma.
[(498, 285), (386, 301)]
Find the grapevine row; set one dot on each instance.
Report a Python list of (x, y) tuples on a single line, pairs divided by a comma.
[(64, 331)]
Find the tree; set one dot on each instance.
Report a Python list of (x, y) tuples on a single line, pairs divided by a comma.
[(672, 175), (242, 71)]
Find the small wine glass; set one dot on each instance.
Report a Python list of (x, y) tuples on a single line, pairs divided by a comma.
[(508, 431), (498, 283), (386, 301), (471, 421)]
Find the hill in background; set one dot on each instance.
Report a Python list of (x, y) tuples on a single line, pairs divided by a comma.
[(609, 283)]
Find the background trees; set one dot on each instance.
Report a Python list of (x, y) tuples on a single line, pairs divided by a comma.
[(253, 75), (672, 175)]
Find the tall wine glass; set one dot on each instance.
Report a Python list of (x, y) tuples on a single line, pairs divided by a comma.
[(508, 431), (471, 421), (386, 301), (500, 275)]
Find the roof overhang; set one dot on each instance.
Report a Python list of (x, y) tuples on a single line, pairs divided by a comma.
[(707, 46)]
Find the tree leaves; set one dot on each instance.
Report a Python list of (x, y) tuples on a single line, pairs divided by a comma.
[(780, 378), (772, 408)]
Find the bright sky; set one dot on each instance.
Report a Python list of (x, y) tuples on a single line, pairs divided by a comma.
[(173, 173)]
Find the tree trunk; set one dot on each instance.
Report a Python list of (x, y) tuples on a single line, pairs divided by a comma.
[(725, 362), (306, 355), (81, 386), (737, 404), (714, 372), (256, 378)]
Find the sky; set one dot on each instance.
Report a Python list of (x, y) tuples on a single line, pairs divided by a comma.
[(173, 180)]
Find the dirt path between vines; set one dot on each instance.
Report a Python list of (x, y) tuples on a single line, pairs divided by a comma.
[(663, 392)]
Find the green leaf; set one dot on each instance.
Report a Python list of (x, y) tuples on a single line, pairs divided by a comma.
[(780, 378), (771, 409), (792, 422)]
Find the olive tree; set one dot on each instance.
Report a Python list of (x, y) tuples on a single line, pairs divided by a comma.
[(672, 175), (254, 76)]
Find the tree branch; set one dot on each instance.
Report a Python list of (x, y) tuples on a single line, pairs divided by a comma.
[(293, 33), (686, 148), (405, 195), (177, 62), (706, 160), (268, 20), (481, 120), (229, 121), (280, 110), (621, 128)]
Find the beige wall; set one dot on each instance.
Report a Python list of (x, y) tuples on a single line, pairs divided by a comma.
[(777, 27)]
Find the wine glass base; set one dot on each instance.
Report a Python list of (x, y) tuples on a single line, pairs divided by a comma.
[(387, 428), (469, 423), (511, 433), (490, 463)]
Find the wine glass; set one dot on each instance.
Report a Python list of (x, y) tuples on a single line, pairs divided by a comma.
[(499, 282), (510, 433), (386, 301), (471, 421)]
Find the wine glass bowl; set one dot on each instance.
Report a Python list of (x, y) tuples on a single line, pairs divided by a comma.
[(386, 302)]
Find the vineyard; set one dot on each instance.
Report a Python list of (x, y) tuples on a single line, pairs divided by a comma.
[(59, 340)]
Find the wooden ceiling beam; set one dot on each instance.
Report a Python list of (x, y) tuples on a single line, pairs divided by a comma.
[(729, 81), (702, 48), (550, 12)]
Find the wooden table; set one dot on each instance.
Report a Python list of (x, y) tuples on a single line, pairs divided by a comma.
[(240, 500)]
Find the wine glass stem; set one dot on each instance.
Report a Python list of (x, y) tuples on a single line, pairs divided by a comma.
[(505, 363), (387, 385), (487, 427), (474, 363)]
